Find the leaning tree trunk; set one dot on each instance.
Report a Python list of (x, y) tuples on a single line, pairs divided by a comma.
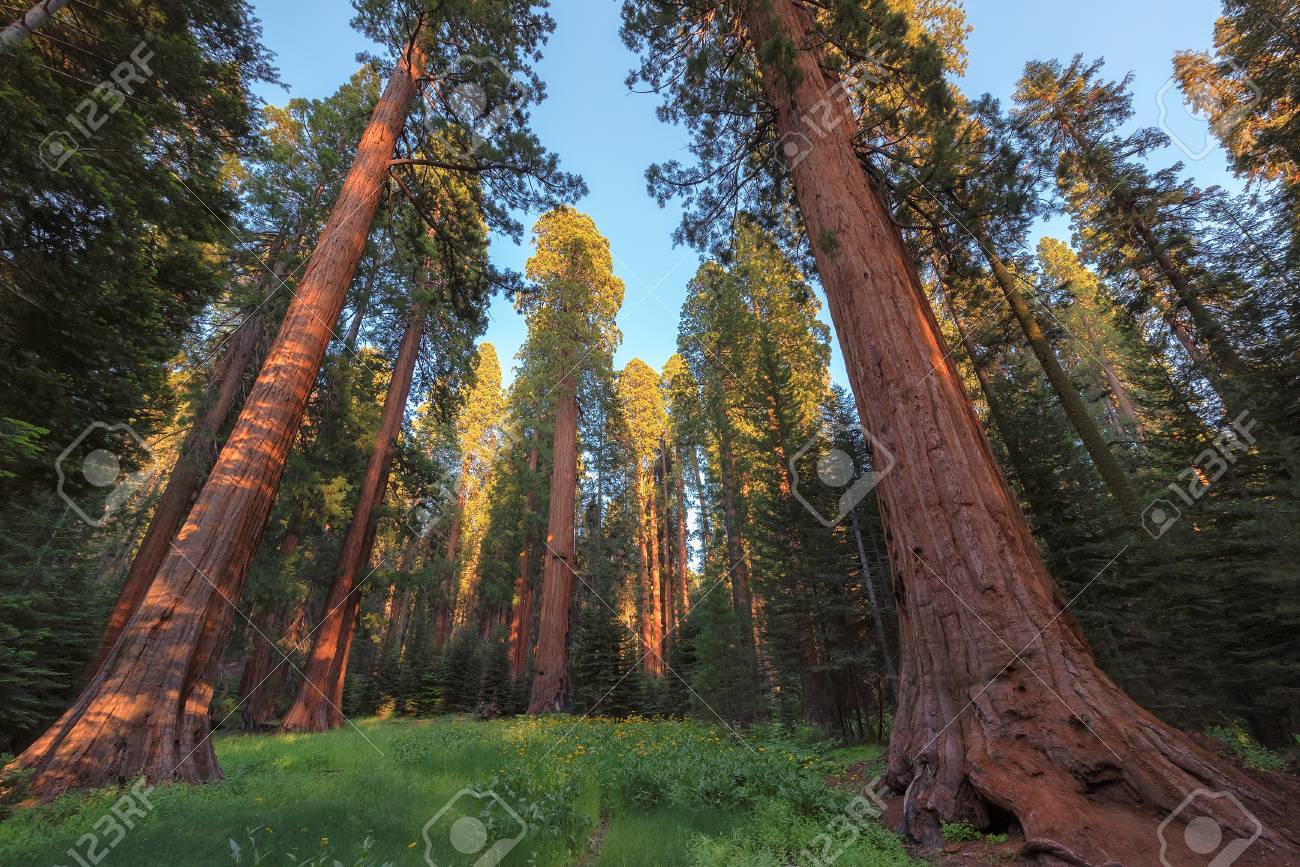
[(551, 665), (521, 611), (882, 638), (28, 22), (1001, 709), (197, 451), (1108, 466), (147, 709), (316, 707)]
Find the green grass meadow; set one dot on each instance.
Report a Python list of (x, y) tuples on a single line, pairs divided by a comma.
[(647, 792)]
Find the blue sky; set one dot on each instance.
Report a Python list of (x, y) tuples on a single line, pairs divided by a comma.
[(609, 135)]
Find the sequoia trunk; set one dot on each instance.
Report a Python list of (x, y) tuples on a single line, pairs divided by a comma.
[(146, 710), (198, 450), (551, 666), (1001, 709), (316, 707)]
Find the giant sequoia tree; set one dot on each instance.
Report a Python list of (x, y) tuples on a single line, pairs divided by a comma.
[(156, 684), (1074, 754), (570, 308)]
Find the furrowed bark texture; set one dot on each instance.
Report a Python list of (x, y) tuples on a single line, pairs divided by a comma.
[(551, 665), (196, 453), (317, 705), (146, 710), (1001, 709)]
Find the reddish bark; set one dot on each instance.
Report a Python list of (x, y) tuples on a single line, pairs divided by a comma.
[(1001, 708), (654, 590), (680, 565), (146, 710), (738, 558), (316, 707), (198, 450), (521, 613), (445, 614), (551, 663)]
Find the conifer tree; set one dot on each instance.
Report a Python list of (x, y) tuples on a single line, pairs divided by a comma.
[(570, 310)]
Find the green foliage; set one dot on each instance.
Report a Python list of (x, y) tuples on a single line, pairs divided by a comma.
[(959, 832), (1250, 751)]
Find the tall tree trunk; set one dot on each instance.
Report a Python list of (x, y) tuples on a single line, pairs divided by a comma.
[(997, 412), (146, 710), (1108, 466), (199, 448), (706, 532), (521, 612), (646, 614), (742, 600), (682, 565), (990, 665), (882, 638), (668, 618), (551, 666), (654, 601), (1226, 364), (316, 707), (28, 22), (446, 610)]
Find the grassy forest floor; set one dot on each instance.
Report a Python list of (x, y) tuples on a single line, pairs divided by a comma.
[(590, 792)]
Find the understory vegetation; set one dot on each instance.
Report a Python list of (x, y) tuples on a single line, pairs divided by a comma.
[(665, 792)]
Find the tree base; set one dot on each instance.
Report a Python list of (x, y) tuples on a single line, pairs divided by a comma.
[(1108, 787)]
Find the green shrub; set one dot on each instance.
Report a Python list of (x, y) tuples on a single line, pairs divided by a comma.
[(1251, 752), (959, 832)]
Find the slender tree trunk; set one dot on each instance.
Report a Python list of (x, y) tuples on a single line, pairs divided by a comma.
[(146, 710), (990, 664), (997, 412), (682, 565), (551, 666), (706, 532), (1226, 363), (1108, 466), (28, 22), (446, 610), (648, 601), (668, 617), (882, 637), (654, 601), (521, 613), (316, 707), (738, 558), (199, 448)]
